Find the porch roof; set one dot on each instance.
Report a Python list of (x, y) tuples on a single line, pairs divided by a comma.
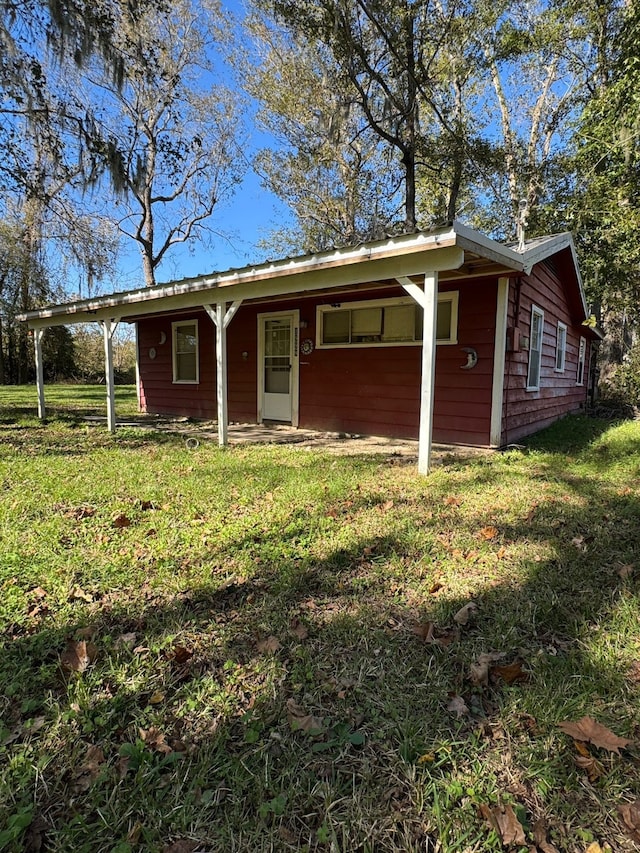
[(454, 252)]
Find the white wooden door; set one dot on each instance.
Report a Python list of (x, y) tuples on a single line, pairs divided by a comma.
[(277, 385)]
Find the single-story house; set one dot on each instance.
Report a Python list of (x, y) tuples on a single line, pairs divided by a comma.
[(444, 335)]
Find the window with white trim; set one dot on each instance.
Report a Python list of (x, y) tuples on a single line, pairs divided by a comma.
[(384, 322), (561, 347), (581, 356), (185, 351), (535, 348)]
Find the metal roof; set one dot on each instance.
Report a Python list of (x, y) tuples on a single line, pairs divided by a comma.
[(455, 250)]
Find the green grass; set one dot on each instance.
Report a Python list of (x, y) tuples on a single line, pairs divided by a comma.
[(256, 683)]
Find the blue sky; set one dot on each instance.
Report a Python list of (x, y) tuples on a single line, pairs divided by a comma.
[(241, 220)]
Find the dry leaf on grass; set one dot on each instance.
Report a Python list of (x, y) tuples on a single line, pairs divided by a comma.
[(38, 592), (87, 773), (594, 847), (78, 655), (465, 613), (435, 587), (511, 673), (299, 720), (456, 705), (428, 632), (425, 631), (155, 739), (452, 500), (299, 629), (488, 533), (181, 655), (591, 767), (78, 594), (503, 819), (269, 646), (185, 846), (588, 730), (630, 813), (479, 671), (625, 572), (540, 837)]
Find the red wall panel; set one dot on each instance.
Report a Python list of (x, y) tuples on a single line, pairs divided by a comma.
[(525, 412)]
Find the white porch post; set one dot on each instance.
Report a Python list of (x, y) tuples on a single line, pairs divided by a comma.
[(499, 357), (428, 370), (37, 342), (221, 319), (108, 328)]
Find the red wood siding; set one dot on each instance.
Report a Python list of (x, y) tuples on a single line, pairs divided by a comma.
[(371, 390), (525, 412)]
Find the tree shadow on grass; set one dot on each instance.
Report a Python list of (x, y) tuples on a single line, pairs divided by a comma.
[(294, 706)]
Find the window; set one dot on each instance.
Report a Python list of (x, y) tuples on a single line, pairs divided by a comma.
[(384, 322), (535, 348), (581, 355), (185, 352), (561, 347)]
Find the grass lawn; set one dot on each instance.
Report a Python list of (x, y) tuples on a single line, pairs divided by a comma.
[(269, 649)]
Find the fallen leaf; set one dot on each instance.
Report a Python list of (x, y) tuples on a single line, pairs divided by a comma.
[(540, 837), (269, 646), (594, 847), (452, 500), (387, 505), (436, 587), (479, 671), (121, 521), (181, 654), (78, 594), (424, 631), (502, 553), (456, 705), (38, 592), (579, 543), (464, 614), (503, 819), (89, 770), (299, 720), (587, 729), (78, 655), (625, 572), (155, 739), (511, 672), (186, 846), (126, 641), (488, 533), (156, 698), (630, 813), (590, 765), (299, 629), (427, 758)]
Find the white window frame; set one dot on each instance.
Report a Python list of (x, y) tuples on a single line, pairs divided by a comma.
[(447, 296), (561, 347), (174, 352), (535, 311), (582, 351)]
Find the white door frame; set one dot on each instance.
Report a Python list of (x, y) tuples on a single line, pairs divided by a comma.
[(295, 360)]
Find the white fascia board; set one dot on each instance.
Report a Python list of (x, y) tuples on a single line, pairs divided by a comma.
[(477, 243), (398, 257)]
